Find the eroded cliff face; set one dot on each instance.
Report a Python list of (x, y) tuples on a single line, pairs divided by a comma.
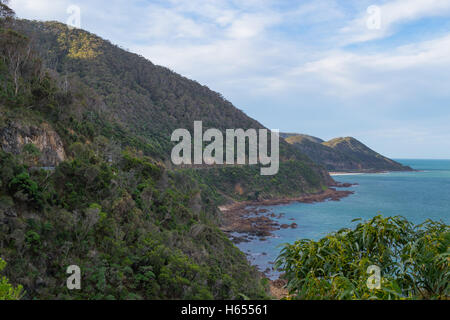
[(14, 136)]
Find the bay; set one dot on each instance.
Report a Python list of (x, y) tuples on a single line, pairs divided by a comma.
[(417, 196)]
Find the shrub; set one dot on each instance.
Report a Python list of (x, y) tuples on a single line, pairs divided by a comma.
[(414, 262), (23, 184), (7, 291)]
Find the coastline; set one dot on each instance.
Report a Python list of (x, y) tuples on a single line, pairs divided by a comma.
[(249, 220), (263, 254), (241, 220)]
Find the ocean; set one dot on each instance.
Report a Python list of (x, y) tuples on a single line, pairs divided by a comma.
[(417, 196)]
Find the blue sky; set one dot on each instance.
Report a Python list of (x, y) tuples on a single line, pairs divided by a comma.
[(311, 66)]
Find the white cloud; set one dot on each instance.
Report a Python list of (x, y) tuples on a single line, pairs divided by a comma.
[(164, 23), (251, 25), (292, 56), (392, 13), (41, 9), (349, 74)]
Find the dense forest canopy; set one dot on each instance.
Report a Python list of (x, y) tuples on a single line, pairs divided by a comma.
[(137, 103), (136, 229), (111, 203), (6, 13)]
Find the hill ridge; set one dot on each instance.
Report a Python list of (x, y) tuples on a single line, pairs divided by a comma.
[(344, 154)]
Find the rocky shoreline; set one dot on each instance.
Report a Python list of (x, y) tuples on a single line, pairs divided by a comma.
[(369, 171), (244, 220)]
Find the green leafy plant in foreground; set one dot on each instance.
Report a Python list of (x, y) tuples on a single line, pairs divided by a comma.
[(7, 291), (413, 260)]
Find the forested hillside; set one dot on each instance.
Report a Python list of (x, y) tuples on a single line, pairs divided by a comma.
[(85, 177), (343, 154), (142, 103), (136, 230)]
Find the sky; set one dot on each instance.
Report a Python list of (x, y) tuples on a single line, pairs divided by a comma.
[(375, 70)]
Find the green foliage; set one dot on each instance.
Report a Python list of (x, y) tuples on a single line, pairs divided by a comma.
[(144, 166), (6, 13), (6, 202), (8, 291), (135, 230), (414, 262), (25, 188), (31, 149), (246, 183)]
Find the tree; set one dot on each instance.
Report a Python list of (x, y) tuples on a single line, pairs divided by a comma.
[(413, 262), (7, 291), (15, 49), (6, 13)]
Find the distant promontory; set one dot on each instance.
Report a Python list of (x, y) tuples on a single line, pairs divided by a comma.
[(343, 154)]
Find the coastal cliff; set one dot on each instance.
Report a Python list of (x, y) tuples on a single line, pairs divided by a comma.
[(343, 154), (49, 149), (102, 119)]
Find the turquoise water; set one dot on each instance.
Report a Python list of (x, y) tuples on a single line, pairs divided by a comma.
[(415, 195)]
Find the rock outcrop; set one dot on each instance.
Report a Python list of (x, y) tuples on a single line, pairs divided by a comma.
[(15, 136)]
